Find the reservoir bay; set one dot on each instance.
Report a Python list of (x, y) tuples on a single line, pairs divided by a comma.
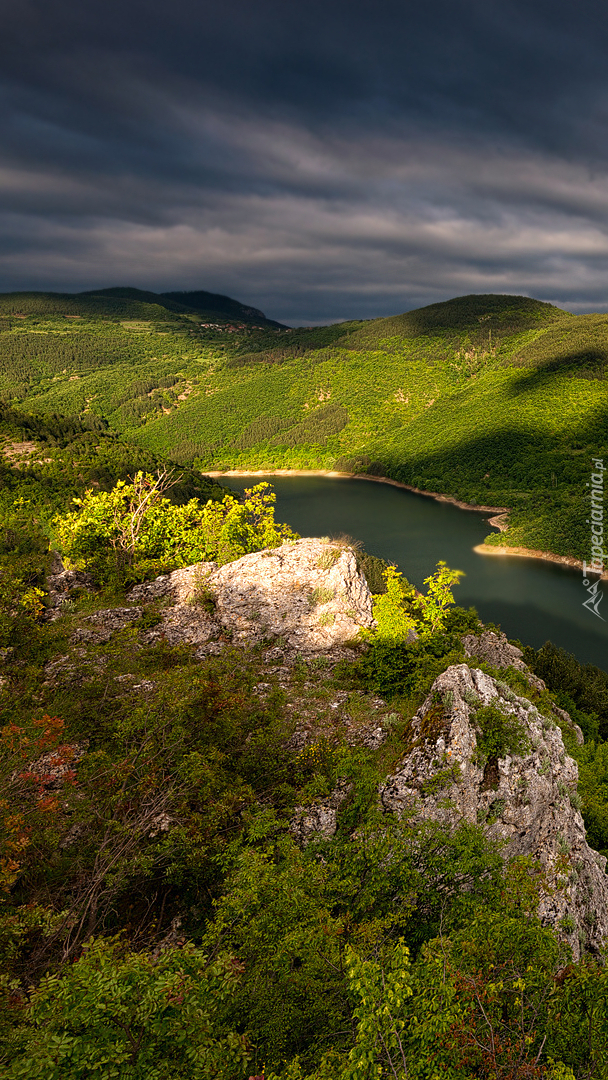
[(532, 600)]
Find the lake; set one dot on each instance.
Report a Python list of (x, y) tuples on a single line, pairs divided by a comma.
[(532, 600)]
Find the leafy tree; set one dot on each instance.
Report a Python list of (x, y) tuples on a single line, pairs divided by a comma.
[(473, 1004), (410, 645), (291, 917), (134, 529), (393, 610), (577, 1027), (393, 620), (439, 597)]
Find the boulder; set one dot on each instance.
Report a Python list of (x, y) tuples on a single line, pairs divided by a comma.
[(309, 593)]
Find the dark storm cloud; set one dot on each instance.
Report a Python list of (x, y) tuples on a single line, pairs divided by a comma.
[(322, 161)]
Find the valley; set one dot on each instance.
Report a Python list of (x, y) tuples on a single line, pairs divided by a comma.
[(494, 400)]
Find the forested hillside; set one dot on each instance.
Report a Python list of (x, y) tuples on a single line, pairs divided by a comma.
[(497, 400), (197, 878)]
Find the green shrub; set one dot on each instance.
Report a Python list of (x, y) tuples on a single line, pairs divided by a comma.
[(500, 733), (132, 1014), (373, 569), (134, 530), (392, 668)]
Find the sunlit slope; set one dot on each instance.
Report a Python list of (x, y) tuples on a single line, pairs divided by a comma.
[(503, 414), (496, 399), (383, 373)]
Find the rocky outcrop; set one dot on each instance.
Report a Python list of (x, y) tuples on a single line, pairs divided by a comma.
[(496, 649), (309, 596), (528, 800), (63, 584), (493, 647), (99, 627), (319, 821), (309, 593)]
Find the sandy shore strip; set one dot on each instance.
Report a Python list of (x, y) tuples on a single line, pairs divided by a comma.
[(498, 521), (529, 553)]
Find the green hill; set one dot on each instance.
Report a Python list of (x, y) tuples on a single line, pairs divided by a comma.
[(125, 303), (498, 400)]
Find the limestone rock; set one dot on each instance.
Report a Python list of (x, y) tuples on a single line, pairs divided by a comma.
[(185, 624), (73, 670), (524, 800), (61, 583), (319, 821), (100, 626), (308, 592), (181, 586), (496, 650)]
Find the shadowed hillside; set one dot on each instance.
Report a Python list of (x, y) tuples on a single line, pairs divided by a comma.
[(499, 400)]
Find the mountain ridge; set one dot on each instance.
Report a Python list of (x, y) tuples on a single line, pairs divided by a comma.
[(116, 300)]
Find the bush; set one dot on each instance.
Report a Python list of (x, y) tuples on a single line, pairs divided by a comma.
[(391, 667), (133, 530), (501, 733), (134, 1015), (408, 650)]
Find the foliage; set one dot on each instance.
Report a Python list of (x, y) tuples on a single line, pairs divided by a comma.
[(410, 646), (470, 1007), (393, 609), (135, 1015), (432, 607), (393, 621), (134, 529), (491, 998), (583, 688), (592, 760), (497, 400), (291, 918), (148, 792), (373, 569), (408, 669), (501, 732), (315, 429)]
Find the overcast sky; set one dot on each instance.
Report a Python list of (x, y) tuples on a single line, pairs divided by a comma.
[(321, 160)]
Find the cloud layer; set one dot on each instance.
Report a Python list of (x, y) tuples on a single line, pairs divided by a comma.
[(320, 161)]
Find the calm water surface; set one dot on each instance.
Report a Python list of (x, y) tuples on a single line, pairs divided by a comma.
[(532, 600)]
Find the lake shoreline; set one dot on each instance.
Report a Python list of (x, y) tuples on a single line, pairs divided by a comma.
[(498, 521), (567, 561), (332, 474)]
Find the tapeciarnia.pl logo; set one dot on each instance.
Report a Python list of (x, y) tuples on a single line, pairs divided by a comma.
[(598, 555)]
